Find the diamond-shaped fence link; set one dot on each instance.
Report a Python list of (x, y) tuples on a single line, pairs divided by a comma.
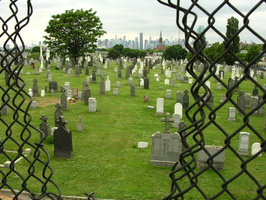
[(244, 179), (34, 177)]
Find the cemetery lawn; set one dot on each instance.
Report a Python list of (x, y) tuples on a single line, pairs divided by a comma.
[(106, 158)]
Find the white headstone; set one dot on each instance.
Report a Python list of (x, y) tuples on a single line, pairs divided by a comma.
[(92, 105), (142, 144), (178, 109), (255, 148), (160, 106), (107, 84), (243, 143), (166, 81)]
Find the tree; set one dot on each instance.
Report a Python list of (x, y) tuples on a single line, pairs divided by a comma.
[(119, 48), (175, 52), (113, 54), (74, 33), (253, 52), (231, 30), (36, 49), (214, 51)]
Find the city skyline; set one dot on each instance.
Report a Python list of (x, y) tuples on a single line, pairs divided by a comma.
[(129, 18)]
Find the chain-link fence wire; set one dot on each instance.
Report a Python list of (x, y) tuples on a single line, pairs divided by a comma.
[(242, 177), (34, 174)]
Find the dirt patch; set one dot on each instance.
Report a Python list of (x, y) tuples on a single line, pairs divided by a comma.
[(42, 102)]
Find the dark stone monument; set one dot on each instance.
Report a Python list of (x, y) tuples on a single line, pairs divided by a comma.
[(146, 83), (63, 140), (179, 97), (35, 89), (64, 101), (53, 85), (102, 86), (86, 96), (77, 71), (255, 91), (132, 90), (45, 127), (94, 79), (119, 73), (57, 113), (87, 71), (185, 100), (241, 102)]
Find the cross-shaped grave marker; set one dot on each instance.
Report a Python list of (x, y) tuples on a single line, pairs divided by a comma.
[(167, 121)]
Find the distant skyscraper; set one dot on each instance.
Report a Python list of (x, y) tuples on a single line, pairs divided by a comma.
[(141, 41), (136, 43)]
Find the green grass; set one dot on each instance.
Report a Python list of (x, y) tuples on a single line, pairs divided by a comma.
[(106, 158)]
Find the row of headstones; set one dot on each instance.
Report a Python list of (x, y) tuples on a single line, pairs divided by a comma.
[(162, 156)]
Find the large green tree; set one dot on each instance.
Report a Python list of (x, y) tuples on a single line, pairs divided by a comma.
[(74, 33), (214, 51), (175, 52), (232, 40), (253, 52)]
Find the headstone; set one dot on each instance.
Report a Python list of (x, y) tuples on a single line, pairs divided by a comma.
[(255, 148), (255, 91), (64, 101), (77, 71), (86, 95), (241, 103), (63, 140), (178, 109), (146, 99), (30, 92), (33, 105), (166, 81), (177, 120), (75, 92), (58, 112), (243, 143), (132, 90), (115, 91), (219, 86), (142, 145), (53, 85), (35, 89), (179, 97), (232, 114), (42, 93), (168, 94), (80, 127), (107, 84), (102, 86), (44, 126), (92, 105), (146, 83), (160, 106), (216, 162), (118, 84), (185, 100), (254, 104), (166, 147)]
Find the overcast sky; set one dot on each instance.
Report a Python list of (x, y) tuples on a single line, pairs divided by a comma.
[(130, 17)]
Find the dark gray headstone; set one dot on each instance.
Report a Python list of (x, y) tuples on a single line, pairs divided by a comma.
[(185, 100), (64, 101), (44, 126), (146, 83), (53, 85), (35, 89), (179, 97), (58, 112), (241, 102), (63, 140), (102, 86), (132, 90)]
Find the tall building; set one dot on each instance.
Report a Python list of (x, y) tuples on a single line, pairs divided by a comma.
[(141, 41), (136, 43)]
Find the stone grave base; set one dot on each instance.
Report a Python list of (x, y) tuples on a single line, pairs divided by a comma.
[(161, 163)]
